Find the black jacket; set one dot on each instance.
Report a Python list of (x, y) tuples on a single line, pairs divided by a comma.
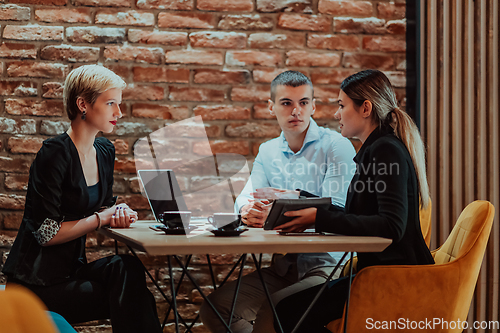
[(383, 200), (57, 190)]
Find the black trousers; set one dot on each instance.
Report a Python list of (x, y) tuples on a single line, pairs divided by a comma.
[(328, 307), (109, 288)]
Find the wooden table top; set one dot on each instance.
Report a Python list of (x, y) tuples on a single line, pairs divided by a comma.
[(139, 236)]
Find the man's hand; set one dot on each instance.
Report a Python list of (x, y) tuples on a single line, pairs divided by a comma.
[(254, 214), (304, 219)]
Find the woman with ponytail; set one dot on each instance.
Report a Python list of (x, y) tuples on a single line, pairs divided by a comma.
[(384, 196)]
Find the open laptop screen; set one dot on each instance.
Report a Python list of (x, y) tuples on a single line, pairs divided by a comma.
[(162, 191)]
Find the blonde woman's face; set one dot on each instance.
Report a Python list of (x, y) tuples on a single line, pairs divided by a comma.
[(350, 118), (105, 112)]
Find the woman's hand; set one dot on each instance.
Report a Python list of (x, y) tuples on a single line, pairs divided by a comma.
[(304, 219), (118, 216)]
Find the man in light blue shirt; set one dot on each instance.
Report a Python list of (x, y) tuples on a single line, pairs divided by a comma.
[(304, 157)]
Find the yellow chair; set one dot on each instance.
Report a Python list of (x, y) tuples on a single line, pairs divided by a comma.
[(414, 295), (22, 312), (425, 225)]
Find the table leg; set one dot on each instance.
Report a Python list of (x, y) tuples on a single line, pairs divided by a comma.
[(211, 272), (319, 293), (267, 292), (237, 288), (348, 295), (193, 281), (174, 295)]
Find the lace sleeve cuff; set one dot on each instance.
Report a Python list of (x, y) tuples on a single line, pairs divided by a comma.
[(47, 231)]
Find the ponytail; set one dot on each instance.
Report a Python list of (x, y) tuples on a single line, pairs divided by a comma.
[(406, 130)]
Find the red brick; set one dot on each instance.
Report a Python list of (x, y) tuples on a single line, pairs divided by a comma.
[(14, 13), (125, 165), (194, 57), (30, 107), (265, 40), (248, 58), (221, 112), (186, 20), (131, 17), (121, 147), (398, 79), (12, 201), (157, 37), (70, 53), (362, 61), (81, 15), (384, 44), (160, 111), (122, 71), (345, 8), (153, 55), (266, 75), (37, 69), (13, 221), (24, 144), (41, 2), (221, 147), (143, 93), (102, 3), (369, 25), (251, 94), (397, 27), (17, 165), (20, 32), (309, 59), (333, 42), (17, 126), (196, 94), (215, 76), (298, 6), (325, 111), (51, 127), (326, 94), (225, 5), (166, 4), (52, 90), (401, 64), (95, 35), (218, 39), (305, 22), (261, 111), (15, 50), (18, 88), (161, 74), (253, 130), (16, 182), (391, 10), (329, 76), (246, 22)]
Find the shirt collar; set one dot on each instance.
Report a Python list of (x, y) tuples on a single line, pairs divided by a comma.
[(312, 135)]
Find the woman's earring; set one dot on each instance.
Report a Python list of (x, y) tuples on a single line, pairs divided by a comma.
[(84, 115)]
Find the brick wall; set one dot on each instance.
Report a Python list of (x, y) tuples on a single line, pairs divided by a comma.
[(180, 58)]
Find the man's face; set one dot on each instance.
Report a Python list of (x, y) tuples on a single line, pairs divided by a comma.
[(293, 108)]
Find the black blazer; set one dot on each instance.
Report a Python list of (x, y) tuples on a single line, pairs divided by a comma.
[(57, 190), (383, 200)]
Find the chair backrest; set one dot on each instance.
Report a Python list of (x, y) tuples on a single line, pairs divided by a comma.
[(426, 223), (21, 311)]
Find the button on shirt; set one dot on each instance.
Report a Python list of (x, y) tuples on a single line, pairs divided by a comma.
[(323, 166)]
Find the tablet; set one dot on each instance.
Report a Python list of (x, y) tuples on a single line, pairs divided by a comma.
[(280, 206)]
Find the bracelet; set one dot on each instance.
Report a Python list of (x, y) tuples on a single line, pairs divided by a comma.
[(98, 221)]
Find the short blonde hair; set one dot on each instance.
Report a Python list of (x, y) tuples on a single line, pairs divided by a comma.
[(88, 82)]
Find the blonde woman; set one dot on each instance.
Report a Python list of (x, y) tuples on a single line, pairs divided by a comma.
[(69, 195), (383, 197)]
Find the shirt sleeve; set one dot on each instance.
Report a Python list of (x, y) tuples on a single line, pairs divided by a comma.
[(340, 171), (258, 179), (392, 201), (47, 175)]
